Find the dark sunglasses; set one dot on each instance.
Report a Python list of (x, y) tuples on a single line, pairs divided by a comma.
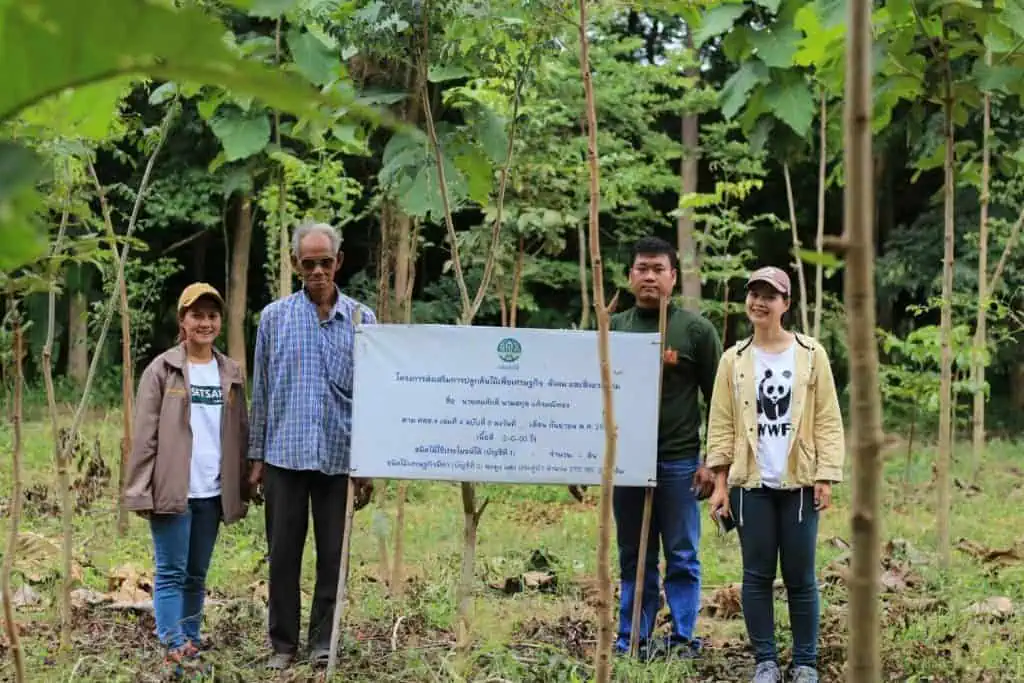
[(310, 264)]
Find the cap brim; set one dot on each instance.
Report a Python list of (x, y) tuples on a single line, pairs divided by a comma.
[(768, 281), (191, 302)]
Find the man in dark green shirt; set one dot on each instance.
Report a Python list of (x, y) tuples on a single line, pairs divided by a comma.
[(690, 362)]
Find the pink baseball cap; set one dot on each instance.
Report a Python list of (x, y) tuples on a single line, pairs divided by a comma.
[(776, 277)]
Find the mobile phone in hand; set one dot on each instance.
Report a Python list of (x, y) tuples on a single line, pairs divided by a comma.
[(725, 524)]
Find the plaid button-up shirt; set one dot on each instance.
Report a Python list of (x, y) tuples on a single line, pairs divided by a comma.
[(302, 384)]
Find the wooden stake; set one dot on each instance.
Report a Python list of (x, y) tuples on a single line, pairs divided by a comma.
[(641, 571), (645, 523), (341, 595)]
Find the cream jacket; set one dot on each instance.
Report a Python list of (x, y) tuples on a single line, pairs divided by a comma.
[(816, 449)]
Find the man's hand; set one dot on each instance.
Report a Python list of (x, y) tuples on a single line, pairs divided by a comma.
[(363, 491), (256, 473), (703, 482), (822, 495)]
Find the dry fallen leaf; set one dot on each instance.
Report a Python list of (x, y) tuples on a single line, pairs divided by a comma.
[(260, 591), (39, 559), (1000, 607), (725, 603), (87, 597), (25, 596), (129, 585), (985, 554)]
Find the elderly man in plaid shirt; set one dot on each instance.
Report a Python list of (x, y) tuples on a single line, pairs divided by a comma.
[(300, 436)]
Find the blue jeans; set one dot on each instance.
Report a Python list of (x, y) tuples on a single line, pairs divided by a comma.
[(675, 521), (182, 547), (778, 527)]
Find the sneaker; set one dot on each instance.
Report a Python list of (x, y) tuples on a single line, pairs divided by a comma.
[(279, 661), (803, 674), (767, 672), (179, 659), (319, 656)]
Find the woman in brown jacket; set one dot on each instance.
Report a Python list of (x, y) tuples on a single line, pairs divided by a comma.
[(188, 464)]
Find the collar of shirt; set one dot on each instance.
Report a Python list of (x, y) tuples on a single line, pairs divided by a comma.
[(342, 309)]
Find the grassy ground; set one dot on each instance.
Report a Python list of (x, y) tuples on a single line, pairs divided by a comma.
[(931, 632)]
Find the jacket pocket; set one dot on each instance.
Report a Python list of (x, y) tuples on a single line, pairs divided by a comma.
[(805, 463)]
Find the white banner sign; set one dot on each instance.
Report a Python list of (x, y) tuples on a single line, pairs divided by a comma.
[(491, 404)]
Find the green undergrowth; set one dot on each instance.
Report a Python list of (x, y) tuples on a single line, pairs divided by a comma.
[(534, 616)]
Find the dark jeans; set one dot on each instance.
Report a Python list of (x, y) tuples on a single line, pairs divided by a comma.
[(779, 526), (675, 521), (290, 494), (182, 547)]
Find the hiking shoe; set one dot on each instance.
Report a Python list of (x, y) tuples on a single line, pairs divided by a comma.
[(803, 674), (767, 672), (279, 661), (319, 656), (179, 659)]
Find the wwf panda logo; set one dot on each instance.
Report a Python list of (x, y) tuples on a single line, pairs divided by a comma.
[(774, 394)]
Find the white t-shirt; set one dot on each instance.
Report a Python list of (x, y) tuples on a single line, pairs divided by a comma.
[(774, 373), (207, 403)]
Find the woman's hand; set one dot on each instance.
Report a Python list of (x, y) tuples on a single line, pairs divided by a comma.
[(822, 495), (719, 502)]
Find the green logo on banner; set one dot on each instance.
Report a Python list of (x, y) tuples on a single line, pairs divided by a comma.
[(509, 350)]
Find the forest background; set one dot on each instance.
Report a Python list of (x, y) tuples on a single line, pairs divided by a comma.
[(448, 141)]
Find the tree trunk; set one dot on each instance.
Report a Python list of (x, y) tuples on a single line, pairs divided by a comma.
[(864, 661), (11, 626), (78, 337), (127, 402), (946, 332), (689, 260), (284, 269), (63, 480), (606, 622), (239, 283), (405, 274), (798, 264), (978, 360), (584, 289), (517, 283), (819, 242)]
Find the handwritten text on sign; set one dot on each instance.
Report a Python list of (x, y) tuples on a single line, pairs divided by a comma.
[(459, 403)]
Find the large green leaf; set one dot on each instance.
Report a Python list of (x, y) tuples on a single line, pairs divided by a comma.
[(440, 74), (770, 5), (57, 44), (997, 77), (777, 46), (792, 103), (89, 112), (479, 174), (491, 133), (1012, 16), (737, 88), (242, 134), (717, 21), (314, 60), (21, 239), (269, 8)]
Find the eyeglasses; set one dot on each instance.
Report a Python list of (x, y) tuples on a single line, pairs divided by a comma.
[(310, 264)]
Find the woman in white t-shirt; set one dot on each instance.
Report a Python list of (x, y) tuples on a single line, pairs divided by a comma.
[(188, 470), (775, 443)]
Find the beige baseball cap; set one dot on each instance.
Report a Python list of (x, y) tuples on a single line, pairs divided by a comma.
[(195, 291), (776, 277)]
